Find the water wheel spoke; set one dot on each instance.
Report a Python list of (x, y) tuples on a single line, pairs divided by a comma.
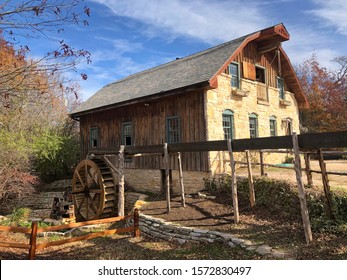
[(92, 204), (80, 205), (95, 190), (80, 179)]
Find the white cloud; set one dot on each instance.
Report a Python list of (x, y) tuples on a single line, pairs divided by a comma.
[(306, 41), (208, 20), (333, 13)]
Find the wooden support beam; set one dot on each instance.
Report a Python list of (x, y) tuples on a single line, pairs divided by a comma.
[(233, 184), (110, 165), (250, 180), (121, 182), (302, 195), (328, 197), (183, 198), (262, 167), (167, 177)]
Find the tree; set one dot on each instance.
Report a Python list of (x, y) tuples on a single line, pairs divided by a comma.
[(34, 19), (326, 92)]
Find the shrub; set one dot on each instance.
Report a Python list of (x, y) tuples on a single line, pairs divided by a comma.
[(55, 156), (281, 197)]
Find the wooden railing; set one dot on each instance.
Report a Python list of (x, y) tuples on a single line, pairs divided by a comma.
[(34, 231)]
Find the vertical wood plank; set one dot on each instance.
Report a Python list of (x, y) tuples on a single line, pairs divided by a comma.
[(302, 195), (250, 180), (167, 178), (33, 236), (121, 182), (328, 198), (183, 198), (308, 169), (233, 184)]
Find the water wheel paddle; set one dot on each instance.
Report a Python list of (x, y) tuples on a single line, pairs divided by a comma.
[(93, 190)]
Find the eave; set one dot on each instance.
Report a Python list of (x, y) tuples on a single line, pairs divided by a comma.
[(144, 99)]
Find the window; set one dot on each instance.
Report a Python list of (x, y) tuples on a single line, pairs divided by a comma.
[(228, 124), (235, 75), (127, 134), (260, 74), (172, 130), (273, 126), (94, 137), (289, 126), (253, 125), (280, 86)]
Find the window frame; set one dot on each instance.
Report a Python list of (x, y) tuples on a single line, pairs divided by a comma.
[(264, 70), (280, 86), (253, 117), (168, 131), (124, 142), (94, 131), (273, 122), (235, 77), (230, 129)]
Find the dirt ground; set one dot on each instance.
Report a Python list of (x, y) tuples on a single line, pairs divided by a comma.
[(260, 225), (336, 181)]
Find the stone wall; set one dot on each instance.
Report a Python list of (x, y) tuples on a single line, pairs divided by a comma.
[(159, 228), (222, 98), (150, 180)]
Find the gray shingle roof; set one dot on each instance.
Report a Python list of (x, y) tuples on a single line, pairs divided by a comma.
[(183, 72)]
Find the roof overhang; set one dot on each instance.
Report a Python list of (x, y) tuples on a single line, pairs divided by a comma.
[(267, 40), (145, 99)]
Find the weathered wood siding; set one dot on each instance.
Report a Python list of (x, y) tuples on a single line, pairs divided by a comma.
[(268, 60), (149, 128)]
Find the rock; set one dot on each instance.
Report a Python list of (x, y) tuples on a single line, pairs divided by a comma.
[(264, 250), (231, 244), (3, 218)]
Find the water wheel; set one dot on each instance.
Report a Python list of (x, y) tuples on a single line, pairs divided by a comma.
[(93, 190)]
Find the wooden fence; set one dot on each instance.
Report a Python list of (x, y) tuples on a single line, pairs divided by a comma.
[(34, 231), (297, 143)]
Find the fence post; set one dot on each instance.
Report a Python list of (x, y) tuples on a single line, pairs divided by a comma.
[(33, 236), (136, 223), (250, 180), (121, 182), (167, 178), (233, 184), (262, 167), (183, 199), (308, 169), (302, 195), (327, 192)]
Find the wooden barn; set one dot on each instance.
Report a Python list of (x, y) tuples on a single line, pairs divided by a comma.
[(243, 88)]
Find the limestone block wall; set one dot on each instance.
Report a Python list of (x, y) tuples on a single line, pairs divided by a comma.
[(150, 180), (220, 99)]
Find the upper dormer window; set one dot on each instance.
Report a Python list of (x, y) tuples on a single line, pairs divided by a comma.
[(280, 86), (234, 72), (260, 74)]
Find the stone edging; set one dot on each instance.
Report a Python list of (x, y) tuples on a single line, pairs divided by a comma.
[(159, 228)]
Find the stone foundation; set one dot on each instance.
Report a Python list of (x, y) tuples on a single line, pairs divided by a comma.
[(150, 180)]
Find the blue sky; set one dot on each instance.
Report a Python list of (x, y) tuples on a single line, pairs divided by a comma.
[(127, 36)]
